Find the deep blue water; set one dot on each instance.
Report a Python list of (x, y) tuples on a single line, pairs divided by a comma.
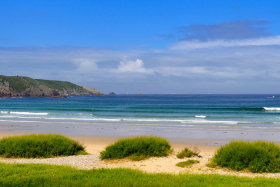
[(179, 110)]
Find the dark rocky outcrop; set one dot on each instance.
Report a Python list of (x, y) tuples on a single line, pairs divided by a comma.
[(17, 86), (112, 93)]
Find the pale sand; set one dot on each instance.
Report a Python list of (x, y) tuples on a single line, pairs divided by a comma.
[(94, 145)]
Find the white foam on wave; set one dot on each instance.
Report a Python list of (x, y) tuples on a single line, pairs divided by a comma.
[(272, 108), (68, 114), (210, 122), (200, 116), (184, 121), (271, 97), (30, 113), (45, 116), (21, 117), (152, 119), (85, 119), (8, 116), (4, 112)]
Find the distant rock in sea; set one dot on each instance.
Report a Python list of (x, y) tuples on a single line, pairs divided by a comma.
[(112, 93)]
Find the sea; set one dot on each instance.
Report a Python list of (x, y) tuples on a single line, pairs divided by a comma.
[(211, 110)]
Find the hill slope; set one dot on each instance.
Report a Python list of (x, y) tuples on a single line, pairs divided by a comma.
[(17, 86)]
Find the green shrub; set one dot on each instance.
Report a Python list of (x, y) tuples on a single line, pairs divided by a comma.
[(145, 146), (187, 164), (36, 146), (259, 156), (185, 153)]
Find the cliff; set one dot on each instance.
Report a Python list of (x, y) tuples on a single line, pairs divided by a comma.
[(17, 86)]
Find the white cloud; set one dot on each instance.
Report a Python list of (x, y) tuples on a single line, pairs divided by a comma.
[(133, 66), (189, 45), (86, 65), (182, 71)]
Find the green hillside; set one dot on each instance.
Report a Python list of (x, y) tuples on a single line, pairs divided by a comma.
[(28, 87)]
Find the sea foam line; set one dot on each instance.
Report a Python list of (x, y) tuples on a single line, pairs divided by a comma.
[(211, 122), (45, 116), (85, 119), (200, 116), (271, 108), (29, 113)]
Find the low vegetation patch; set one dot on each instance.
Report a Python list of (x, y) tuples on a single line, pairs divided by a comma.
[(185, 153), (36, 146), (50, 175), (137, 148), (187, 164), (259, 156)]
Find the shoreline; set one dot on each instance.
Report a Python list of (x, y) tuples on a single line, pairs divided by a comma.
[(189, 135)]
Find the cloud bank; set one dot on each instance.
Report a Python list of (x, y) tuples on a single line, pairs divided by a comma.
[(208, 59), (233, 30), (265, 41)]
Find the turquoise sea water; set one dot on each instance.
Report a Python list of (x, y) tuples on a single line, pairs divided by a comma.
[(167, 110)]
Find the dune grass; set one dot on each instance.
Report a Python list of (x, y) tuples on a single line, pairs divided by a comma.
[(187, 164), (37, 146), (185, 153), (137, 148), (257, 157), (49, 175)]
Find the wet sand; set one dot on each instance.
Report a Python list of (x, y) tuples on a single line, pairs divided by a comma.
[(186, 135)]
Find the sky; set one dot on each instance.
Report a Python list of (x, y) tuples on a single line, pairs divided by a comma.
[(156, 46)]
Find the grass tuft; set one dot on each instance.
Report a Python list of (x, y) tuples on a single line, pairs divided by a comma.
[(137, 148), (185, 153), (38, 146), (257, 157), (187, 164)]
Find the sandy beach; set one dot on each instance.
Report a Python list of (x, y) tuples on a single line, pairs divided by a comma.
[(95, 144), (95, 138)]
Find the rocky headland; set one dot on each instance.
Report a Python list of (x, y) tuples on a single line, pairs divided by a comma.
[(18, 86)]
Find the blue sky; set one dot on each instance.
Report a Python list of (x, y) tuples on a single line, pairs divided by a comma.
[(209, 46)]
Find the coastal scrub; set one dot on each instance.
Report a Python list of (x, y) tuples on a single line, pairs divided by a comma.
[(42, 145), (137, 147), (258, 156), (185, 153)]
